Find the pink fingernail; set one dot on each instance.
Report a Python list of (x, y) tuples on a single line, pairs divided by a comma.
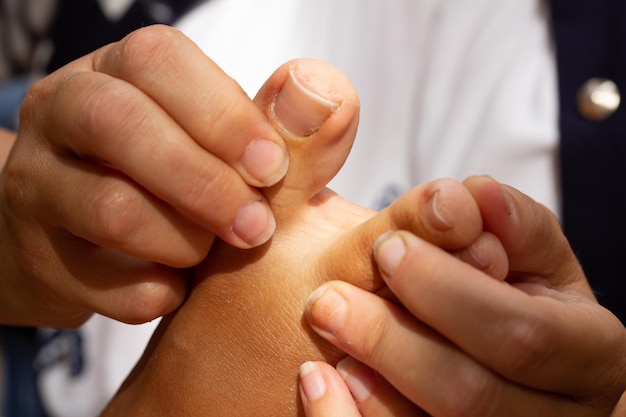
[(312, 381), (359, 378), (265, 161), (327, 310), (254, 223), (389, 250)]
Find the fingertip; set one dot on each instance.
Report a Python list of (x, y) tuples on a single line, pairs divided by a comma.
[(312, 383), (324, 393), (488, 255), (389, 251), (442, 212), (254, 225), (264, 162), (360, 379)]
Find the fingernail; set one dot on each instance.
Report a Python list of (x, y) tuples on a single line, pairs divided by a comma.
[(254, 223), (389, 250), (326, 310), (359, 378), (265, 161), (508, 205), (435, 214), (299, 109), (312, 381)]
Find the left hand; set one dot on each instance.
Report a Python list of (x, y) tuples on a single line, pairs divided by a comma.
[(465, 344)]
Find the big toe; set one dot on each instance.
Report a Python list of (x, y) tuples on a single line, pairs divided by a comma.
[(315, 108)]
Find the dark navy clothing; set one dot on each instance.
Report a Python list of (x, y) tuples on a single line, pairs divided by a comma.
[(591, 42)]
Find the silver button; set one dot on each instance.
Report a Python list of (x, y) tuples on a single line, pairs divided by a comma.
[(598, 99)]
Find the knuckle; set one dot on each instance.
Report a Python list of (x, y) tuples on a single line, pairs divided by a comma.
[(113, 111), (149, 301), (37, 94), (114, 214), (146, 49), (373, 343), (528, 345), (473, 394), (211, 195)]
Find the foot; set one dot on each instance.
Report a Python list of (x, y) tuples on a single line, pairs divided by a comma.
[(236, 345)]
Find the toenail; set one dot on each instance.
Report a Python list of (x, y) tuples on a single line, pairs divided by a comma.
[(265, 161), (312, 381), (435, 214), (254, 223), (299, 110)]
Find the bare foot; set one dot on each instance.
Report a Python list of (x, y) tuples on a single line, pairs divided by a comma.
[(234, 348)]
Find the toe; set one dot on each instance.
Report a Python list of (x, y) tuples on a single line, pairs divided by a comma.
[(315, 108), (441, 212)]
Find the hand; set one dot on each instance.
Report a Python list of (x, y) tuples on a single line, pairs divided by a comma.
[(127, 163), (234, 347), (462, 343)]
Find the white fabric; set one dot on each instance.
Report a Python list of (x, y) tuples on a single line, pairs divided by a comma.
[(448, 88), (111, 349)]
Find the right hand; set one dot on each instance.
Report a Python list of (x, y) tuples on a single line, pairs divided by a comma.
[(127, 164), (462, 343)]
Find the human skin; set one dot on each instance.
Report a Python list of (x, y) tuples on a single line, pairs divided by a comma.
[(235, 346), (126, 165), (539, 345), (620, 410)]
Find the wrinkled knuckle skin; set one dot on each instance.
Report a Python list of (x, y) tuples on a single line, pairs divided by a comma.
[(474, 395), (373, 341), (115, 215), (38, 93), (528, 346), (209, 196), (146, 49), (110, 117)]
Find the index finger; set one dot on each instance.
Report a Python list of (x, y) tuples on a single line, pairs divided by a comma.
[(206, 102)]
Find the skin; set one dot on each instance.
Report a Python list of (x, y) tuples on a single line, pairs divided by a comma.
[(134, 157), (235, 346), (539, 344), (97, 184)]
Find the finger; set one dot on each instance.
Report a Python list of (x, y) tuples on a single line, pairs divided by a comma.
[(373, 394), (529, 232), (316, 109), (486, 254), (324, 393), (419, 363), (118, 215), (99, 280), (523, 337), (200, 97), (121, 287), (114, 122)]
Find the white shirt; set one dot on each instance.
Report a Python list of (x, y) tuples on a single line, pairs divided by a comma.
[(448, 88)]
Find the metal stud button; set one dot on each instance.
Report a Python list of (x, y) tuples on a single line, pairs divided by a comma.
[(598, 99)]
